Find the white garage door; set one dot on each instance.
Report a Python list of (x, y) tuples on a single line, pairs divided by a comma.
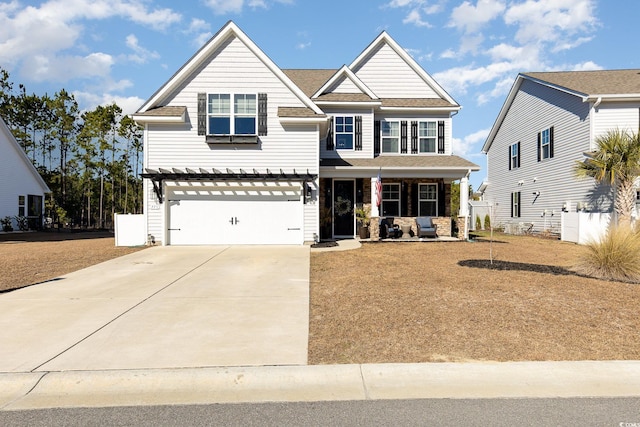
[(213, 218)]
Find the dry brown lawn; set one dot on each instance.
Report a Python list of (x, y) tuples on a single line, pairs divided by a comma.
[(444, 301), (29, 258)]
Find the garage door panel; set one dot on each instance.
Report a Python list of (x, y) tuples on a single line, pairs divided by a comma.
[(243, 219)]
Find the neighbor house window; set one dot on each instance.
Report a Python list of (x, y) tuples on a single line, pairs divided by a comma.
[(21, 206), (514, 156), (545, 144), (390, 136), (224, 119), (391, 199), (344, 133), (428, 200), (427, 133), (515, 204)]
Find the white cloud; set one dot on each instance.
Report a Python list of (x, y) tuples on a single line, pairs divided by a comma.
[(37, 40), (302, 45), (414, 17), (470, 18), (140, 54), (465, 147), (551, 20), (223, 7), (89, 101)]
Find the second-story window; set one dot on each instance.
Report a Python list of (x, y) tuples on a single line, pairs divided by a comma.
[(545, 144), (514, 156), (225, 120), (428, 134), (344, 133), (390, 136)]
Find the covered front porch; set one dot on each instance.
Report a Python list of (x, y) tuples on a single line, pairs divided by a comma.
[(354, 194)]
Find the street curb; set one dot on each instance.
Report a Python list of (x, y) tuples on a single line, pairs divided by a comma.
[(319, 383)]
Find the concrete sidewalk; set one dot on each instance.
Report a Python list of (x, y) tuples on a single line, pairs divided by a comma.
[(164, 307), (318, 383)]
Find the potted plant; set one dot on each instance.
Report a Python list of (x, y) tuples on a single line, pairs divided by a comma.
[(363, 221), (6, 223)]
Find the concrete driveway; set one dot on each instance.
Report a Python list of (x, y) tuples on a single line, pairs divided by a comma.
[(164, 307)]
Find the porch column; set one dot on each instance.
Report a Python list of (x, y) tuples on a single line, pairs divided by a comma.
[(375, 212), (463, 215)]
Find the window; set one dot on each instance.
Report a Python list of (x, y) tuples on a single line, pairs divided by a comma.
[(428, 200), (223, 121), (391, 199), (545, 144), (21, 207), (427, 137), (514, 156), (515, 205), (344, 133), (390, 136)]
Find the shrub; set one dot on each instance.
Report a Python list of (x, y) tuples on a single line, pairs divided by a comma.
[(478, 224), (615, 257), (487, 222)]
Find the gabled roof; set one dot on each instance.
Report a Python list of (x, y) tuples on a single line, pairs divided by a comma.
[(385, 38), (345, 73), (590, 86), (11, 140), (228, 30), (309, 80)]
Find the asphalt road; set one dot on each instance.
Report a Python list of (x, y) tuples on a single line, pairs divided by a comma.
[(623, 412)]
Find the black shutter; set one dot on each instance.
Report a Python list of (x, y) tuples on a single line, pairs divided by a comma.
[(376, 137), (519, 203), (404, 199), (403, 137), (330, 135), (202, 114), (414, 199), (518, 161), (539, 148), (509, 147), (358, 132), (512, 196), (414, 137), (441, 137), (551, 142), (262, 114), (442, 209)]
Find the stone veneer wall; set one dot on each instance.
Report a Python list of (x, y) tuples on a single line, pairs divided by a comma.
[(443, 223)]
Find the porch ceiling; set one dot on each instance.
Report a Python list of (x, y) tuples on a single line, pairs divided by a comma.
[(451, 167)]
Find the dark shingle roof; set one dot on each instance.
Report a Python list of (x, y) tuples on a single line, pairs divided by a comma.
[(601, 82), (309, 81), (416, 102), (297, 112), (164, 112)]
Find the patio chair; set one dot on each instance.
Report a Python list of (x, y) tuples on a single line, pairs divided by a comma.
[(388, 229), (426, 227)]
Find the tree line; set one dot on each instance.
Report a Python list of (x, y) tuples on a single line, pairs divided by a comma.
[(91, 160)]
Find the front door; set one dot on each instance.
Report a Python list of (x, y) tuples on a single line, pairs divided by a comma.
[(343, 201)]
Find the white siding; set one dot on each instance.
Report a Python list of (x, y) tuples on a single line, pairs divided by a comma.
[(16, 177), (535, 108), (344, 85), (232, 69), (389, 76), (611, 115), (367, 135)]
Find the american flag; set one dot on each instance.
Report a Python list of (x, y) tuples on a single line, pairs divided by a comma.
[(379, 189)]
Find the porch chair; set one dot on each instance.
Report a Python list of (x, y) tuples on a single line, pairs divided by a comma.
[(426, 227), (388, 229)]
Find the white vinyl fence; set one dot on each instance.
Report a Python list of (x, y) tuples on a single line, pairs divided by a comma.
[(582, 227), (130, 230)]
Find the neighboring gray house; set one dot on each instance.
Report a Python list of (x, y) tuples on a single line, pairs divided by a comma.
[(547, 123), (22, 189), (239, 151)]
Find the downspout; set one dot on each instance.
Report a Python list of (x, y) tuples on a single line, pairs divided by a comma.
[(598, 101)]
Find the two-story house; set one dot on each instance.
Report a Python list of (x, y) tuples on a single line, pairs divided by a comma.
[(547, 123), (239, 151)]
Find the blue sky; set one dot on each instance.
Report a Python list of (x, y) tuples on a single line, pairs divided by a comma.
[(123, 50)]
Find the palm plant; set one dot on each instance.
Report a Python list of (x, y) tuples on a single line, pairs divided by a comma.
[(616, 162)]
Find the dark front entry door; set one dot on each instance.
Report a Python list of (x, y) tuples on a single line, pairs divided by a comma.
[(343, 198)]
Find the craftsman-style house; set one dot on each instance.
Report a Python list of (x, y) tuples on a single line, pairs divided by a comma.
[(239, 151)]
